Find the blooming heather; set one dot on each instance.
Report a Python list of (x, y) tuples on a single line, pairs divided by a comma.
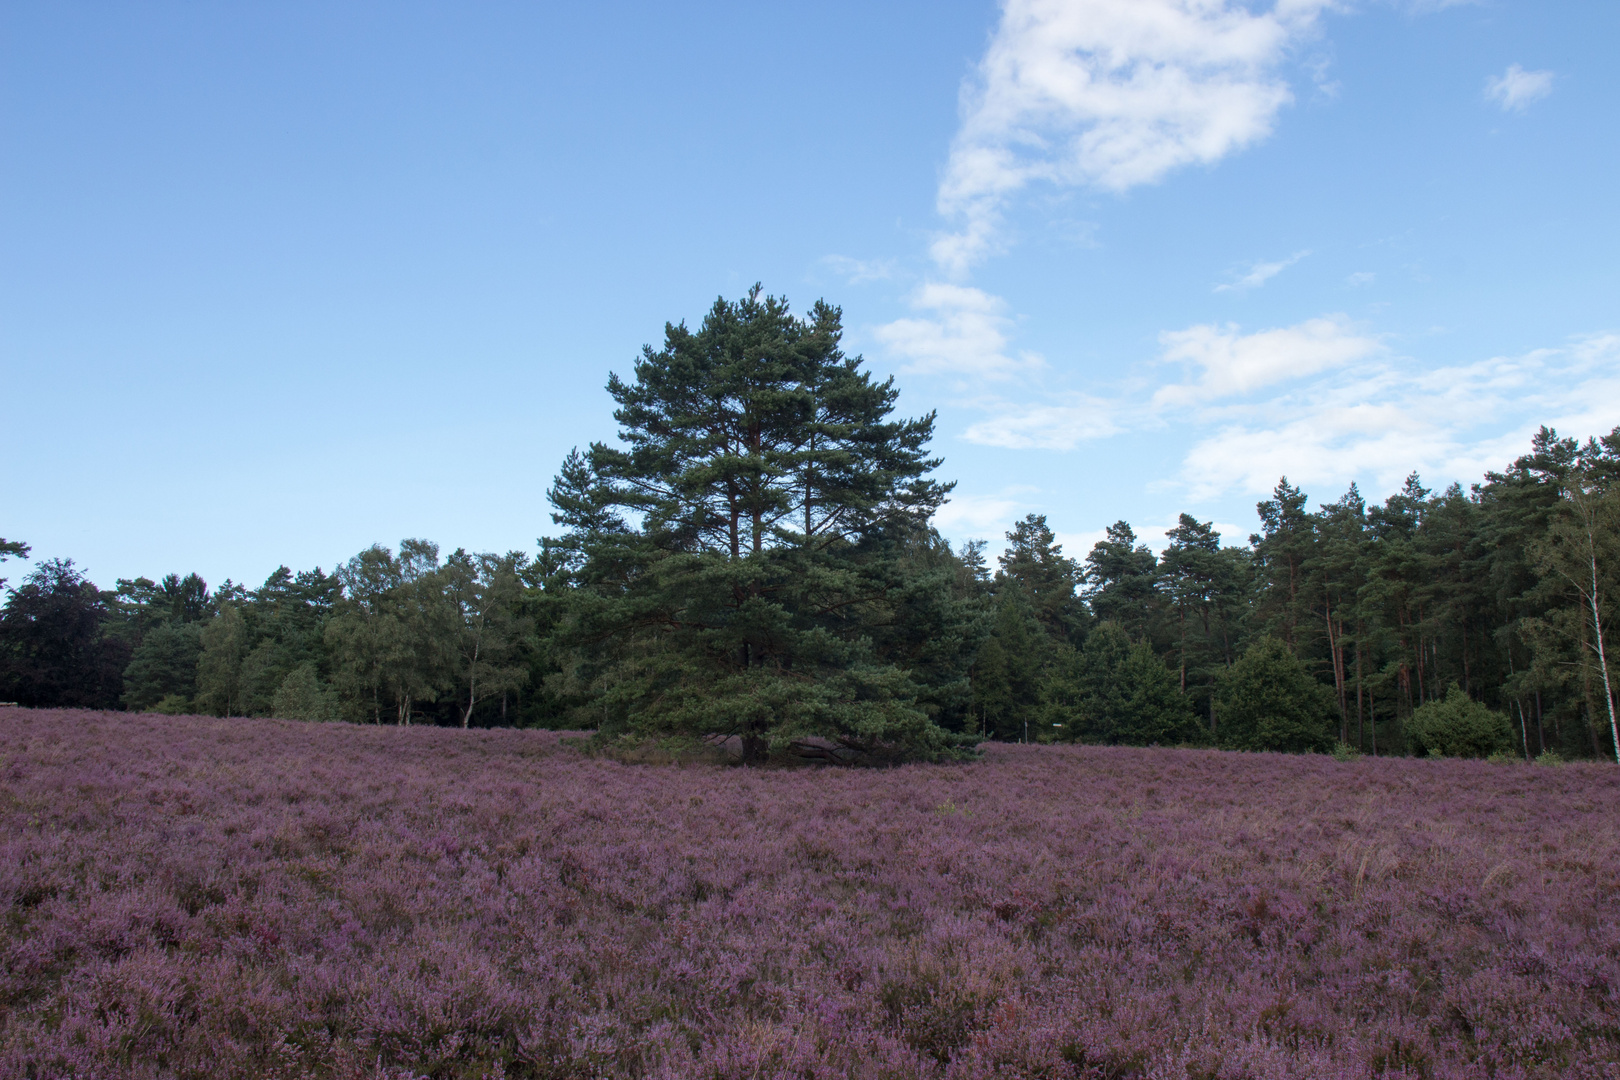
[(196, 897)]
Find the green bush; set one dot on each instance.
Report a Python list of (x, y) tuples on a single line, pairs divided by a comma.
[(1459, 726), (1112, 691), (302, 696), (1268, 701), (163, 667)]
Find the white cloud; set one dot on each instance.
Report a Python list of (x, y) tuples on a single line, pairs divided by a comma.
[(1110, 94), (1062, 424), (1077, 545), (1375, 426), (1516, 88), (1360, 278), (1231, 363), (983, 515), (964, 333), (1260, 273), (858, 271)]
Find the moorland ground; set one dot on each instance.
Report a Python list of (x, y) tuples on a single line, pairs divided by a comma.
[(199, 897)]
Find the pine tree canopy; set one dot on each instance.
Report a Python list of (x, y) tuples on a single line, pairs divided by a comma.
[(745, 551)]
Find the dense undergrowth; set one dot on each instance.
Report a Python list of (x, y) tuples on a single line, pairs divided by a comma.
[(199, 897)]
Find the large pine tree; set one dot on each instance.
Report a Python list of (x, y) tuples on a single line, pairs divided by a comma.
[(743, 553)]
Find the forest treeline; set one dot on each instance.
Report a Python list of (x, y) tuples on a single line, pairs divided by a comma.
[(756, 559)]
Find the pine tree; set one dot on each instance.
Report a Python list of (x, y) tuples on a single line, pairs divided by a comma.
[(741, 557), (1269, 701), (1112, 691), (1122, 581), (1281, 549), (1035, 565)]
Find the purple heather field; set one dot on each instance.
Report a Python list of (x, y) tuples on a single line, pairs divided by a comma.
[(196, 897)]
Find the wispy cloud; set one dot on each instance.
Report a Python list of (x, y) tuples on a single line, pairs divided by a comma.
[(1326, 402), (1110, 94), (1059, 424), (1516, 88), (1360, 278), (860, 271), (1380, 421), (962, 331), (1260, 273), (983, 515), (1228, 362)]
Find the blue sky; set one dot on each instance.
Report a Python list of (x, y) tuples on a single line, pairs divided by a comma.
[(280, 281)]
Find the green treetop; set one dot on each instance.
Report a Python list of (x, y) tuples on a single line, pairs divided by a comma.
[(742, 555)]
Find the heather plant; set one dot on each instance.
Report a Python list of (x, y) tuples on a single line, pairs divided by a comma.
[(194, 897), (1459, 726)]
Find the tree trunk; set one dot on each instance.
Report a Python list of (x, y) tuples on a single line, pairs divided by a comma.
[(1597, 632), (472, 684), (1184, 650), (1338, 672), (1372, 717), (1361, 731), (1466, 687)]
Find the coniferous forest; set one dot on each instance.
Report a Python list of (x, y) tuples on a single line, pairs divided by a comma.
[(753, 559)]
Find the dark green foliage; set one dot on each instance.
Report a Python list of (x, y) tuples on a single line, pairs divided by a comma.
[(780, 536), (1269, 701), (1205, 586), (164, 665), (754, 558), (1459, 726), (302, 696), (1009, 670), (1035, 566), (1121, 577), (393, 638), (1280, 550), (12, 549), (1112, 691), (54, 650)]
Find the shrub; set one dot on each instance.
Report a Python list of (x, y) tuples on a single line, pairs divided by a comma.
[(163, 666), (1268, 701), (1111, 691), (301, 696), (1459, 726)]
